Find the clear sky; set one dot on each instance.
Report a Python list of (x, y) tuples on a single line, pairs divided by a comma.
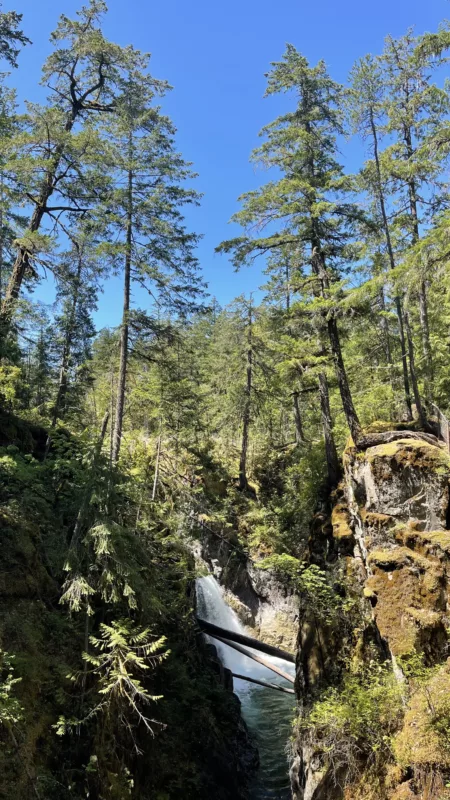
[(215, 55)]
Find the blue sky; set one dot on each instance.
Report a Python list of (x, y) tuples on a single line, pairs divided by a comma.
[(215, 56)]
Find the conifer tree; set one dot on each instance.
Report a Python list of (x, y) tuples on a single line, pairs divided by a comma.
[(74, 329), (416, 109), (366, 103), (12, 38), (145, 225), (307, 205), (56, 155)]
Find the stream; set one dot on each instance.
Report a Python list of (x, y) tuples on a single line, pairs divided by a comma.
[(268, 713)]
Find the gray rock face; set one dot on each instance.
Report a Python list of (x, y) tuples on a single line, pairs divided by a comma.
[(406, 479), (390, 534)]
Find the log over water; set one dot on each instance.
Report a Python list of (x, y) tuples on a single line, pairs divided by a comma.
[(233, 636), (266, 684), (263, 661)]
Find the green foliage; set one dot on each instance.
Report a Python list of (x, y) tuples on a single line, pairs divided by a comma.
[(10, 708), (309, 580), (356, 720), (122, 652)]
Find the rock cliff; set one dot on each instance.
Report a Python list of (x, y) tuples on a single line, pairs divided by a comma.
[(373, 677)]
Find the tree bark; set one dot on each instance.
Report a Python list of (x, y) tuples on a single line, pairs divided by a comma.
[(254, 657), (263, 683), (299, 434), (397, 300), (422, 292), (243, 482), (385, 326), (158, 455), (240, 638), (412, 369), (318, 265), (65, 358), (333, 466), (344, 388), (124, 332), (426, 344)]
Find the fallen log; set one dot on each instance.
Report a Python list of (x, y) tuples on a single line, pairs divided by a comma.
[(260, 660), (266, 684), (233, 636)]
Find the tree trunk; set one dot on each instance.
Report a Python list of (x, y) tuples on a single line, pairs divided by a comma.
[(243, 482), (351, 416), (412, 369), (265, 663), (22, 262), (1, 237), (333, 466), (385, 327), (426, 345), (299, 434), (398, 308), (158, 455), (423, 304), (247, 641), (387, 233), (344, 388), (65, 358), (124, 332)]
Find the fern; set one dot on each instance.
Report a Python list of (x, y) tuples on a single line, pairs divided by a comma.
[(121, 652)]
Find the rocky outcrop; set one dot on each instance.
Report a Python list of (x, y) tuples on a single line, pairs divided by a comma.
[(387, 543)]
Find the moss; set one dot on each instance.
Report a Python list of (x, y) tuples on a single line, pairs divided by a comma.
[(421, 742), (370, 518), (410, 453), (440, 539), (425, 617), (407, 587), (404, 792), (397, 558), (340, 520)]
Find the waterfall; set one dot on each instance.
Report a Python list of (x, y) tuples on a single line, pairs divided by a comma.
[(268, 714)]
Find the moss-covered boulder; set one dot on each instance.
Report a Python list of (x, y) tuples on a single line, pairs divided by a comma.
[(407, 479)]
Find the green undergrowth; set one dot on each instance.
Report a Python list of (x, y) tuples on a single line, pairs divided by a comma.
[(273, 516), (104, 689)]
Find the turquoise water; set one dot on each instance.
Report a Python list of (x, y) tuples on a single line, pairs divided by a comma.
[(268, 713)]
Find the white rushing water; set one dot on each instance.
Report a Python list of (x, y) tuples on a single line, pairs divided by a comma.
[(268, 713)]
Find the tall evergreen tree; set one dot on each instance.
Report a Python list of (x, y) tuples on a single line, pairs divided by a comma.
[(74, 329), (145, 224), (416, 109), (59, 143), (366, 102), (308, 202)]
